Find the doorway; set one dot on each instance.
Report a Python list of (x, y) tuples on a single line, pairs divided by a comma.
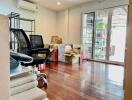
[(104, 35)]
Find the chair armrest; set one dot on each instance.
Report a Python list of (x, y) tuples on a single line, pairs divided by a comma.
[(39, 51)]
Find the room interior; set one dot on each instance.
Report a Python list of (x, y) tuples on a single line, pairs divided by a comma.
[(65, 50)]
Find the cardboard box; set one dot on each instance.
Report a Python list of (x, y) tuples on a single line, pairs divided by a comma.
[(56, 40), (72, 59)]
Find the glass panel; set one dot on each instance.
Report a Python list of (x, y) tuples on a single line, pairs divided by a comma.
[(118, 35), (101, 34), (87, 35)]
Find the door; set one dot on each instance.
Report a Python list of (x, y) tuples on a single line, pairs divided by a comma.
[(101, 23), (87, 35), (118, 35)]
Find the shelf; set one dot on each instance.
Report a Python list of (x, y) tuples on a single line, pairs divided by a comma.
[(24, 19)]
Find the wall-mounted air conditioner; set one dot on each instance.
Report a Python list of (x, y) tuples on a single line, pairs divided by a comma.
[(24, 4)]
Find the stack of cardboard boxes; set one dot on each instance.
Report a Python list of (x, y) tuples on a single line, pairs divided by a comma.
[(72, 56), (67, 53)]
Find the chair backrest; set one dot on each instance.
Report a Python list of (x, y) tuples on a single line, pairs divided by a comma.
[(36, 41), (23, 40)]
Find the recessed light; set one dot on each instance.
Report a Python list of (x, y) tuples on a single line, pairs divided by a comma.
[(58, 3)]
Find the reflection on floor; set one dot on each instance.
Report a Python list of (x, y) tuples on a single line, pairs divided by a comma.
[(88, 81)]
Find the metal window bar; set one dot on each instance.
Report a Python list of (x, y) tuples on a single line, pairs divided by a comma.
[(15, 22)]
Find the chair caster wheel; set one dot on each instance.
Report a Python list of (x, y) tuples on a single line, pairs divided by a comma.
[(42, 81)]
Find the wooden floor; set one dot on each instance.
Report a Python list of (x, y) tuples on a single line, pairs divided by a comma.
[(87, 81)]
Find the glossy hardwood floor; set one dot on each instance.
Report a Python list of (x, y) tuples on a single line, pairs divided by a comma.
[(87, 81)]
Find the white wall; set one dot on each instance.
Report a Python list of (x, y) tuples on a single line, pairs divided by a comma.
[(68, 25), (61, 30), (74, 25), (62, 25), (45, 18), (46, 23), (4, 59), (74, 18)]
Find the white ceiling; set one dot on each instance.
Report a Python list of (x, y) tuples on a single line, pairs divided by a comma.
[(52, 4)]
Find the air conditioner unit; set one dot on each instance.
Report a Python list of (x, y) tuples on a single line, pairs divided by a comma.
[(23, 4)]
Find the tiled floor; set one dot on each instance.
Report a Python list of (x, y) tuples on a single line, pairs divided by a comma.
[(88, 81)]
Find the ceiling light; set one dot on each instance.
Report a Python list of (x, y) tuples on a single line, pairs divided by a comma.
[(58, 3)]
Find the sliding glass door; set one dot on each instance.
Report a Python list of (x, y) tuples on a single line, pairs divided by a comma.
[(118, 34), (104, 35), (87, 35), (101, 23)]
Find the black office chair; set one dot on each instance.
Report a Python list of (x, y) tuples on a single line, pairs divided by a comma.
[(33, 50), (37, 43), (29, 49)]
